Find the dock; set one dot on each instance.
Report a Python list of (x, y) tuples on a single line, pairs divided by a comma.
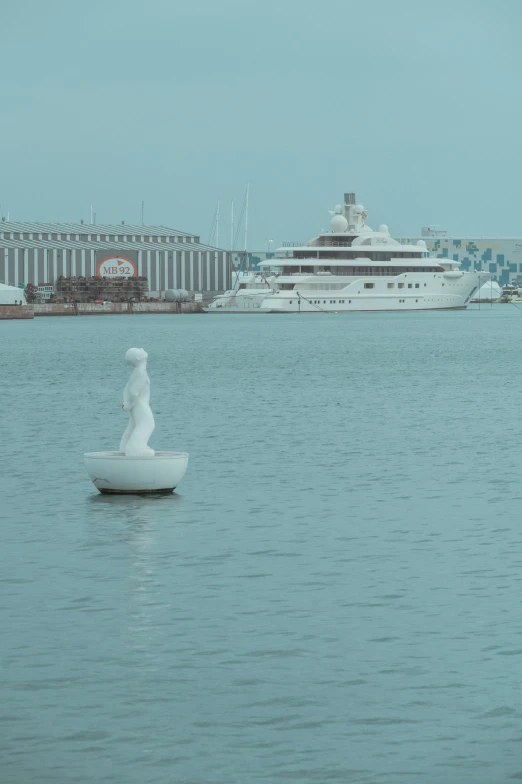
[(113, 308), (16, 312)]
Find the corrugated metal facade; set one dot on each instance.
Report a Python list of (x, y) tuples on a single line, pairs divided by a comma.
[(40, 252)]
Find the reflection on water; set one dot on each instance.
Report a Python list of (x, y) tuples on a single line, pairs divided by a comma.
[(136, 502), (145, 598), (332, 595)]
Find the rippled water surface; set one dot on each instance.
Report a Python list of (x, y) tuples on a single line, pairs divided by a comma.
[(334, 593)]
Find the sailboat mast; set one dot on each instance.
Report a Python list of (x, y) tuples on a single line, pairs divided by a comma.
[(246, 217)]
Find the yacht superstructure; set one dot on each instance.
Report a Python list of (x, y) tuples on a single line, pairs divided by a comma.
[(354, 268)]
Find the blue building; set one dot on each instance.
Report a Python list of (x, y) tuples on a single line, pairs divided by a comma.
[(500, 256)]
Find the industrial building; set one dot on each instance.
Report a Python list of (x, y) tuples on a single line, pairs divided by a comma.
[(500, 256), (39, 253)]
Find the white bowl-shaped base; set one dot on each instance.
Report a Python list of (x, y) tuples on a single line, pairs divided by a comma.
[(114, 472)]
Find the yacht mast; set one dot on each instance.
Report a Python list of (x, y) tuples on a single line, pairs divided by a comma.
[(246, 217)]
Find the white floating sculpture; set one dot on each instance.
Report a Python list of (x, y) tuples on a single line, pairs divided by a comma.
[(136, 396), (136, 468)]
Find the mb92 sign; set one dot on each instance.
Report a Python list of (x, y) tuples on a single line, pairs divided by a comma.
[(116, 267)]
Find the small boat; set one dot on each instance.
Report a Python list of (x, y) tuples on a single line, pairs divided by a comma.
[(246, 296), (510, 293)]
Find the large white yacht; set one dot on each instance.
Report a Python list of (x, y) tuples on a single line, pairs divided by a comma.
[(353, 268)]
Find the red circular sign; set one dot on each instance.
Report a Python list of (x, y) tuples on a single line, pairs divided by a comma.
[(116, 267)]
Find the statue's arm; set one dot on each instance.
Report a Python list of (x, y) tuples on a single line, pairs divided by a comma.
[(132, 392), (128, 402)]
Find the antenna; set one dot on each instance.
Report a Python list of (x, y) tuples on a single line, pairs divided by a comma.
[(91, 214), (232, 226)]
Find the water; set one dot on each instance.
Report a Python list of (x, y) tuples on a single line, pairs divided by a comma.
[(333, 595)]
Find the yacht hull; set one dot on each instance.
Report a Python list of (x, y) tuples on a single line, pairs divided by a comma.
[(440, 291), (368, 310), (227, 310)]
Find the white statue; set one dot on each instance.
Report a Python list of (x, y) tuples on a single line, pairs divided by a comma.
[(136, 396), (136, 468)]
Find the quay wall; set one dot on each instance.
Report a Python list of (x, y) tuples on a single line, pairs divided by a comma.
[(16, 312), (111, 308)]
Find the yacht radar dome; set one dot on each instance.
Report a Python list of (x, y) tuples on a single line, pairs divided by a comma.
[(338, 224), (421, 243), (383, 229)]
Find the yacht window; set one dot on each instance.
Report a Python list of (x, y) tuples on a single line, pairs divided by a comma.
[(391, 285), (369, 285), (400, 285), (409, 285), (417, 285)]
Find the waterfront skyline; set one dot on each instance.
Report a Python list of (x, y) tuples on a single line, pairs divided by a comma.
[(181, 106)]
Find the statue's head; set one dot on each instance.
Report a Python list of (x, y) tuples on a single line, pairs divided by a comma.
[(135, 355)]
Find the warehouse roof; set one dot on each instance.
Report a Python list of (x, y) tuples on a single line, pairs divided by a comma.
[(106, 245), (90, 228), (109, 245)]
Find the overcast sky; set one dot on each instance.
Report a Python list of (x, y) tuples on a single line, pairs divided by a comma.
[(414, 105)]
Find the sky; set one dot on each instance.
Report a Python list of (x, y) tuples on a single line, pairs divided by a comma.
[(414, 105)]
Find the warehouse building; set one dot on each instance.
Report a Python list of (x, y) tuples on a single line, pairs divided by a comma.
[(39, 253)]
